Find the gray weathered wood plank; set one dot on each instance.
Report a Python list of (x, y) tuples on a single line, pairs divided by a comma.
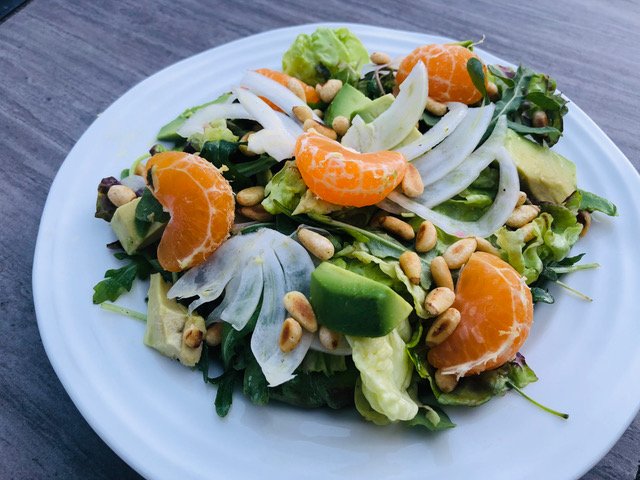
[(63, 62)]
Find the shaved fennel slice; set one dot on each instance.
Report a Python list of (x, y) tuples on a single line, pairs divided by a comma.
[(197, 122), (231, 293), (437, 133), (456, 147), (290, 125), (494, 218), (274, 139), (464, 175), (274, 92), (395, 123), (278, 144), (239, 312), (276, 365), (208, 279)]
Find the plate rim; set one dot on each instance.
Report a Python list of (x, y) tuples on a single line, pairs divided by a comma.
[(42, 298)]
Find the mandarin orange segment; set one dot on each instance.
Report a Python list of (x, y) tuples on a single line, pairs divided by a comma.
[(342, 176), (449, 80), (496, 314), (201, 204), (283, 79)]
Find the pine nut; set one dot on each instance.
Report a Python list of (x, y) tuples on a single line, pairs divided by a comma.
[(377, 218), (412, 185), (529, 232), (398, 228), (380, 58), (445, 381), (328, 338), (540, 119), (492, 91), (290, 335), (302, 112), (296, 88), (251, 196), (522, 197), (300, 309), (329, 90), (435, 108), (443, 326), (141, 170), (213, 336), (584, 218), (411, 266), (244, 149), (458, 254), (340, 125), (486, 246), (321, 129), (257, 213), (192, 336), (427, 237), (522, 215), (439, 300), (120, 195), (318, 245), (441, 273), (319, 113)]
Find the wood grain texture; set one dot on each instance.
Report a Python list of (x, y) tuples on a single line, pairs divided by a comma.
[(63, 62)]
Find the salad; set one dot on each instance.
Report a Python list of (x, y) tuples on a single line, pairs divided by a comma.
[(354, 230)]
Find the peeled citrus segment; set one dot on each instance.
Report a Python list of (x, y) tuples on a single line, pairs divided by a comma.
[(496, 313), (201, 204), (342, 176), (449, 80), (283, 79)]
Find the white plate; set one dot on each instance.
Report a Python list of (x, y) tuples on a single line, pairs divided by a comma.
[(159, 417)]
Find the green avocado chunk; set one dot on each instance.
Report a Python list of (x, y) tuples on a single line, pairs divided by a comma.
[(123, 225), (353, 304), (166, 322), (346, 102), (545, 174), (169, 132)]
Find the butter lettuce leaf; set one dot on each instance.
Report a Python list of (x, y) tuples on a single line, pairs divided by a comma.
[(284, 190), (326, 53), (385, 371)]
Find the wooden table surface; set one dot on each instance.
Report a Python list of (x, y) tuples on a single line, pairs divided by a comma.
[(64, 62)]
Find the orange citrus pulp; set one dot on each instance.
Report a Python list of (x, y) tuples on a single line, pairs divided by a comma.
[(496, 314), (201, 204), (449, 80), (342, 176)]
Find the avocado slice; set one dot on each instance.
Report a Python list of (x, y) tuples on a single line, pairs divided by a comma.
[(346, 102), (169, 132), (166, 320), (545, 174), (353, 304), (123, 224)]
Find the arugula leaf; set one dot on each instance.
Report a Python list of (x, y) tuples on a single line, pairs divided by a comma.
[(148, 210), (255, 385), (526, 130), (259, 165), (224, 394), (115, 283), (594, 203), (221, 153), (433, 419), (475, 69), (540, 294)]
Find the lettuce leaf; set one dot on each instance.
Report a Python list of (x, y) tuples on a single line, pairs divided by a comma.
[(284, 190), (555, 230), (326, 53), (216, 130), (385, 371)]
